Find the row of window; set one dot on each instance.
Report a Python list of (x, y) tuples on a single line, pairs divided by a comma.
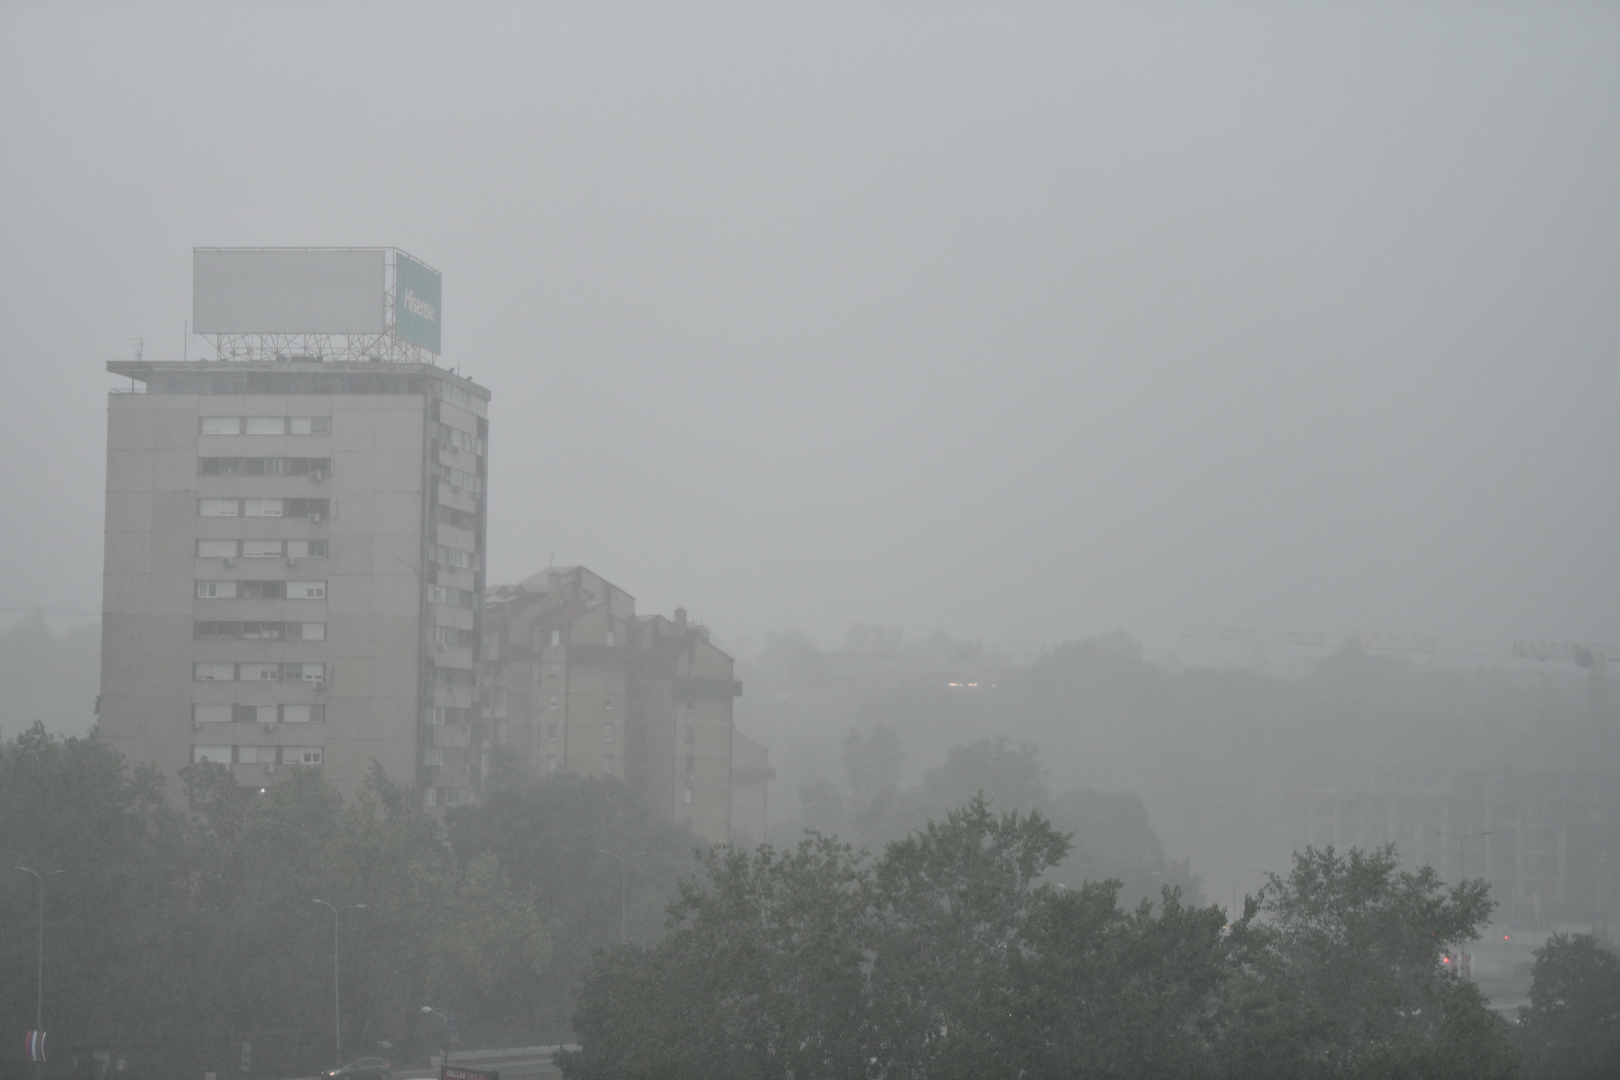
[(264, 466), (449, 556), (267, 425), (459, 518), (260, 631), (607, 703), (257, 755), (454, 636), (314, 509), (444, 594), (258, 714), (440, 756), (454, 676), (469, 401), (213, 671), (261, 590), (261, 549), (462, 479), (447, 797), (457, 438), (445, 714)]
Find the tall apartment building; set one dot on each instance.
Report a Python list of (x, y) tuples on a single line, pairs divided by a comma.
[(577, 680), (294, 561)]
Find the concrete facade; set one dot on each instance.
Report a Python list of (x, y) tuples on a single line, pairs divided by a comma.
[(577, 680), (294, 570)]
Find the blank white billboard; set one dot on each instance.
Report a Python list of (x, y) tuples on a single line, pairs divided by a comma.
[(288, 292)]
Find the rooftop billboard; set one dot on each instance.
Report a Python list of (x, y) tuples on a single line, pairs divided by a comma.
[(417, 302), (282, 291)]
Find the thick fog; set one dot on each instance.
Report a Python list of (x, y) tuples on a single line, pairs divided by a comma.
[(1026, 322)]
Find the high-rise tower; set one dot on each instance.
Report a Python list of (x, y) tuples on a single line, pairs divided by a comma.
[(295, 532)]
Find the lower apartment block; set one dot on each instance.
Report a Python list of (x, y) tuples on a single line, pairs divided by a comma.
[(576, 680)]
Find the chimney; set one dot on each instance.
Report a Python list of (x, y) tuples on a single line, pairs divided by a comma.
[(680, 618)]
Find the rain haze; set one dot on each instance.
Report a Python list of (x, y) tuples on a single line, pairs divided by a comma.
[(1028, 322), (1033, 400)]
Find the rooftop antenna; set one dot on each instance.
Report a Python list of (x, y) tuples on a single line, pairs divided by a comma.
[(140, 346)]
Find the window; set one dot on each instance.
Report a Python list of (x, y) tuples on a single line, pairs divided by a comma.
[(306, 549), (309, 425), (551, 764), (306, 590), (309, 631), (261, 549), (255, 755), (433, 758), (301, 755), (219, 507), (607, 764), (312, 673), (261, 507), (462, 479), (607, 703), (258, 672), (689, 765), (314, 509), (451, 636), (211, 714), (610, 637), (216, 549), (266, 425), (551, 731), (261, 590), (690, 733), (556, 637), (222, 425), (607, 732), (303, 714), (216, 590), (553, 701), (220, 755), (254, 714), (687, 799)]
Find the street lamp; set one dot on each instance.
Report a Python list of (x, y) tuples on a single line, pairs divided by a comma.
[(444, 1046), (620, 861), (39, 958), (337, 1007)]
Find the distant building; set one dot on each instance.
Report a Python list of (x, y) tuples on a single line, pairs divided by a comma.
[(1547, 841), (294, 569), (575, 679)]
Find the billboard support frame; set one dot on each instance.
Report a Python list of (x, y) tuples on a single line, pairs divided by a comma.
[(384, 347)]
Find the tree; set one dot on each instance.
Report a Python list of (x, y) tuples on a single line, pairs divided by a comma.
[(942, 958), (1571, 1029), (547, 832), (1344, 976), (760, 977)]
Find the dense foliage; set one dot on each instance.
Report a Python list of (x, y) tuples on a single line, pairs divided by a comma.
[(179, 928), (948, 956), (1571, 1028)]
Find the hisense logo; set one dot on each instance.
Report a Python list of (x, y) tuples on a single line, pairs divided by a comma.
[(418, 307)]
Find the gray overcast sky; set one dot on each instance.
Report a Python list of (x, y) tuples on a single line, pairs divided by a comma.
[(1028, 321)]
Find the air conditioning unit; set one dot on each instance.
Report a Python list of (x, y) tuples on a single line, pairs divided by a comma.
[(269, 768), (291, 561), (229, 561), (319, 684), (269, 729), (315, 518), (317, 476)]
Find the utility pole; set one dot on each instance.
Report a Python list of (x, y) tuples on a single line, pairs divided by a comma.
[(337, 1009), (39, 958)]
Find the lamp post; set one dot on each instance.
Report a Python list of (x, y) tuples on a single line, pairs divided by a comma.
[(620, 861), (39, 954), (444, 1045), (337, 1006)]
